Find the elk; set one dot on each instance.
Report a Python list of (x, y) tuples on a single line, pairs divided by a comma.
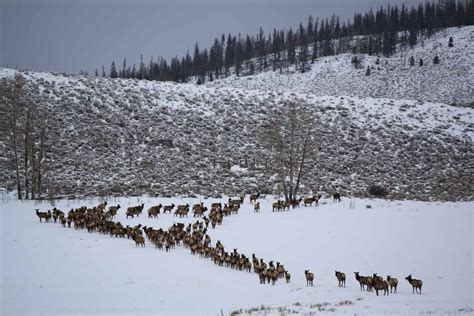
[(379, 285), (310, 200), (377, 277), (256, 207), (393, 283), (235, 202), (168, 208), (262, 276), (309, 278), (130, 212), (277, 206), (287, 276), (254, 197), (362, 281), (45, 215), (336, 197), (341, 278), (296, 202), (154, 211), (216, 205), (113, 210), (416, 284)]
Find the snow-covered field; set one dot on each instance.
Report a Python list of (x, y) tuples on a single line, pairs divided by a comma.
[(48, 269)]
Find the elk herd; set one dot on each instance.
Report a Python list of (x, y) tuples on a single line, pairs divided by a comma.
[(194, 236)]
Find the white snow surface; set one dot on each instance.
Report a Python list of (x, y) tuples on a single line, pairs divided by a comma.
[(48, 269)]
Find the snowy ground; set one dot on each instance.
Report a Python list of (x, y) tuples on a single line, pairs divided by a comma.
[(48, 269)]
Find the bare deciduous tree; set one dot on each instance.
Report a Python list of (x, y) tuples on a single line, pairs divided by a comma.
[(24, 122), (11, 103), (289, 138)]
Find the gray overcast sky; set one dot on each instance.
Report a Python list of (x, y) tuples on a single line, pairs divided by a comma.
[(67, 35)]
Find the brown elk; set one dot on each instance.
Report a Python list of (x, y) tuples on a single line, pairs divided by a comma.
[(341, 278), (310, 201), (134, 210), (377, 277), (254, 197), (216, 205), (44, 215), (379, 285), (363, 281), (168, 208), (296, 202), (102, 206), (256, 207), (154, 210), (262, 275), (277, 206), (234, 202), (309, 278), (393, 282), (287, 276), (113, 210), (416, 284)]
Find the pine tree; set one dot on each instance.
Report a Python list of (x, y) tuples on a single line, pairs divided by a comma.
[(229, 54), (314, 55), (412, 61), (367, 72), (196, 67), (113, 71), (96, 73), (355, 60), (421, 62), (450, 44), (291, 53), (303, 57), (261, 50), (412, 37), (436, 60), (238, 56), (103, 71), (141, 69), (310, 29), (124, 67)]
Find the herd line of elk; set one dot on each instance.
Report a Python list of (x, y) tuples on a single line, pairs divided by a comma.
[(194, 236)]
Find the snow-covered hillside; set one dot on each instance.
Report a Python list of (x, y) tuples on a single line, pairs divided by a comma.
[(451, 81), (48, 269), (136, 137)]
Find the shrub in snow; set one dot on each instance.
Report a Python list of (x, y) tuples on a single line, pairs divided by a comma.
[(367, 72), (356, 62), (377, 191)]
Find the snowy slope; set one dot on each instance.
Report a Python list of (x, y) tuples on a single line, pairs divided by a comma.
[(107, 134), (451, 81), (48, 269)]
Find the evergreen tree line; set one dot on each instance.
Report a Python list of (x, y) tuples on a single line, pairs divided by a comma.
[(373, 33)]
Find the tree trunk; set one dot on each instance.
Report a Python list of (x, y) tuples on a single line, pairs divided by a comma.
[(300, 172), (17, 167), (41, 157), (27, 132)]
